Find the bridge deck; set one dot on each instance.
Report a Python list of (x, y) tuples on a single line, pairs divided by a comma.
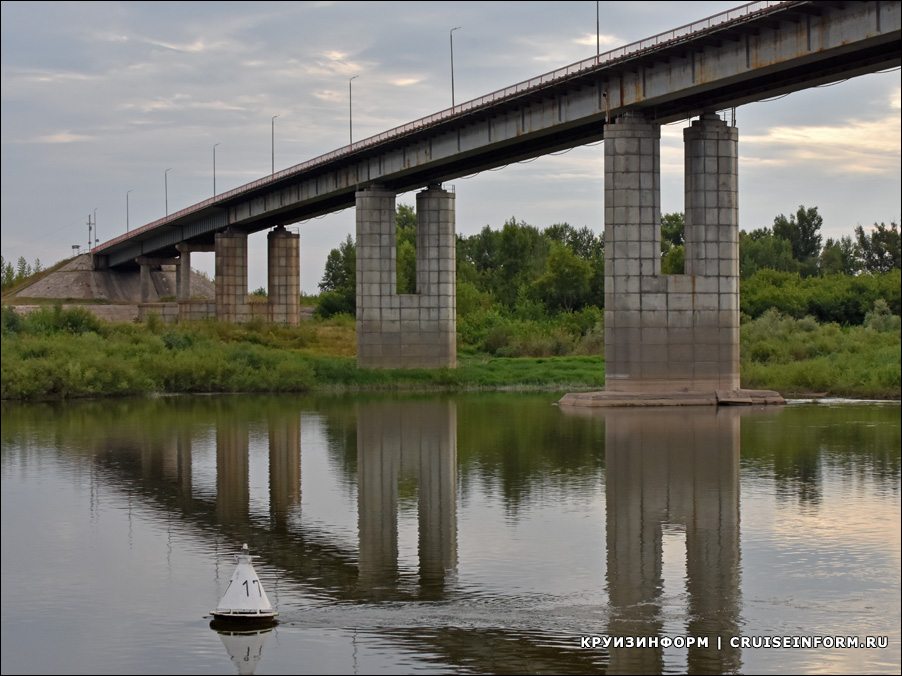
[(748, 54)]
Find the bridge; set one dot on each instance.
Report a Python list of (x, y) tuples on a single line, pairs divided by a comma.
[(663, 332)]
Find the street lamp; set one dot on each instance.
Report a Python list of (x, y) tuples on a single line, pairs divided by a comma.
[(96, 238), (274, 143), (214, 168), (597, 32), (451, 39), (126, 210), (351, 112), (166, 187)]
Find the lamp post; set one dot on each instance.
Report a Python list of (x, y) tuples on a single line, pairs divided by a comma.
[(351, 111), (597, 32), (96, 238), (126, 210), (166, 187), (273, 121), (214, 168), (451, 39)]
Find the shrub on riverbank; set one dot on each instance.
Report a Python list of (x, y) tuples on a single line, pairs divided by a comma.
[(59, 354), (801, 356)]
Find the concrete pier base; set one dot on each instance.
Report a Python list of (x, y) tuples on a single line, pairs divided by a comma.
[(700, 398), (409, 330)]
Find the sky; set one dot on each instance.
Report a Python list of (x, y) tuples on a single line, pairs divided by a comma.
[(100, 99)]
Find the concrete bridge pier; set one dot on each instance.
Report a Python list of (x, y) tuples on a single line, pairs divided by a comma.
[(231, 276), (183, 276), (671, 339), (284, 277), (409, 330), (712, 250), (148, 266)]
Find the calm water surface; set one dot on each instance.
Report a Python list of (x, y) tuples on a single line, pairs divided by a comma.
[(470, 534)]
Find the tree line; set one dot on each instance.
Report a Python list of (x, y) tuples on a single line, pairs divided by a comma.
[(794, 245), (531, 273)]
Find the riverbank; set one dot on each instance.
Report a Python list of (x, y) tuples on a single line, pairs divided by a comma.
[(65, 354)]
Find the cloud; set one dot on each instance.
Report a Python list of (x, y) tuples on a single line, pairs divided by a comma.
[(864, 147), (44, 76), (406, 81), (63, 137), (592, 39), (195, 47), (329, 95)]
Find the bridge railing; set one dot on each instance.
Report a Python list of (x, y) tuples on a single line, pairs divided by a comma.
[(668, 37)]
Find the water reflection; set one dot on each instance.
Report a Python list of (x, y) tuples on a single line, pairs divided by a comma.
[(395, 532), (677, 470), (420, 435), (245, 647)]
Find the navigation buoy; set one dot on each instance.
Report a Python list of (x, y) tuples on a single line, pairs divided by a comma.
[(244, 599)]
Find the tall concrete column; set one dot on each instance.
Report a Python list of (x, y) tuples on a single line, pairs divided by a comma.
[(146, 282), (712, 249), (411, 330), (284, 275), (635, 294), (432, 342), (183, 276), (231, 276), (378, 305)]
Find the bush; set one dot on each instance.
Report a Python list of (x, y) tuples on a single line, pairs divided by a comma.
[(881, 319)]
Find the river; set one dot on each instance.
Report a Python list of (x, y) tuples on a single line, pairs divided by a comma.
[(480, 533)]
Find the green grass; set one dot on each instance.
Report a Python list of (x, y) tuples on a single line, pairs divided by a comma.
[(60, 354)]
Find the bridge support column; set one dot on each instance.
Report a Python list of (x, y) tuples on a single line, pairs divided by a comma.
[(231, 276), (635, 293), (411, 330), (183, 281), (146, 282), (712, 249), (284, 276)]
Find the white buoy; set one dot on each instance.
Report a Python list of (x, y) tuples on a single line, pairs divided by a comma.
[(244, 598)]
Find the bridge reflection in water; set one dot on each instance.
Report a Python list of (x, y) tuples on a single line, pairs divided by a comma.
[(673, 470), (671, 514)]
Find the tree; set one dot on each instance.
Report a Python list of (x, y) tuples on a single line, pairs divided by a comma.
[(879, 251), (339, 283), (8, 274), (23, 269), (521, 255), (673, 249), (582, 242), (801, 231), (341, 267), (673, 231), (406, 249), (567, 280), (838, 257), (760, 249)]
